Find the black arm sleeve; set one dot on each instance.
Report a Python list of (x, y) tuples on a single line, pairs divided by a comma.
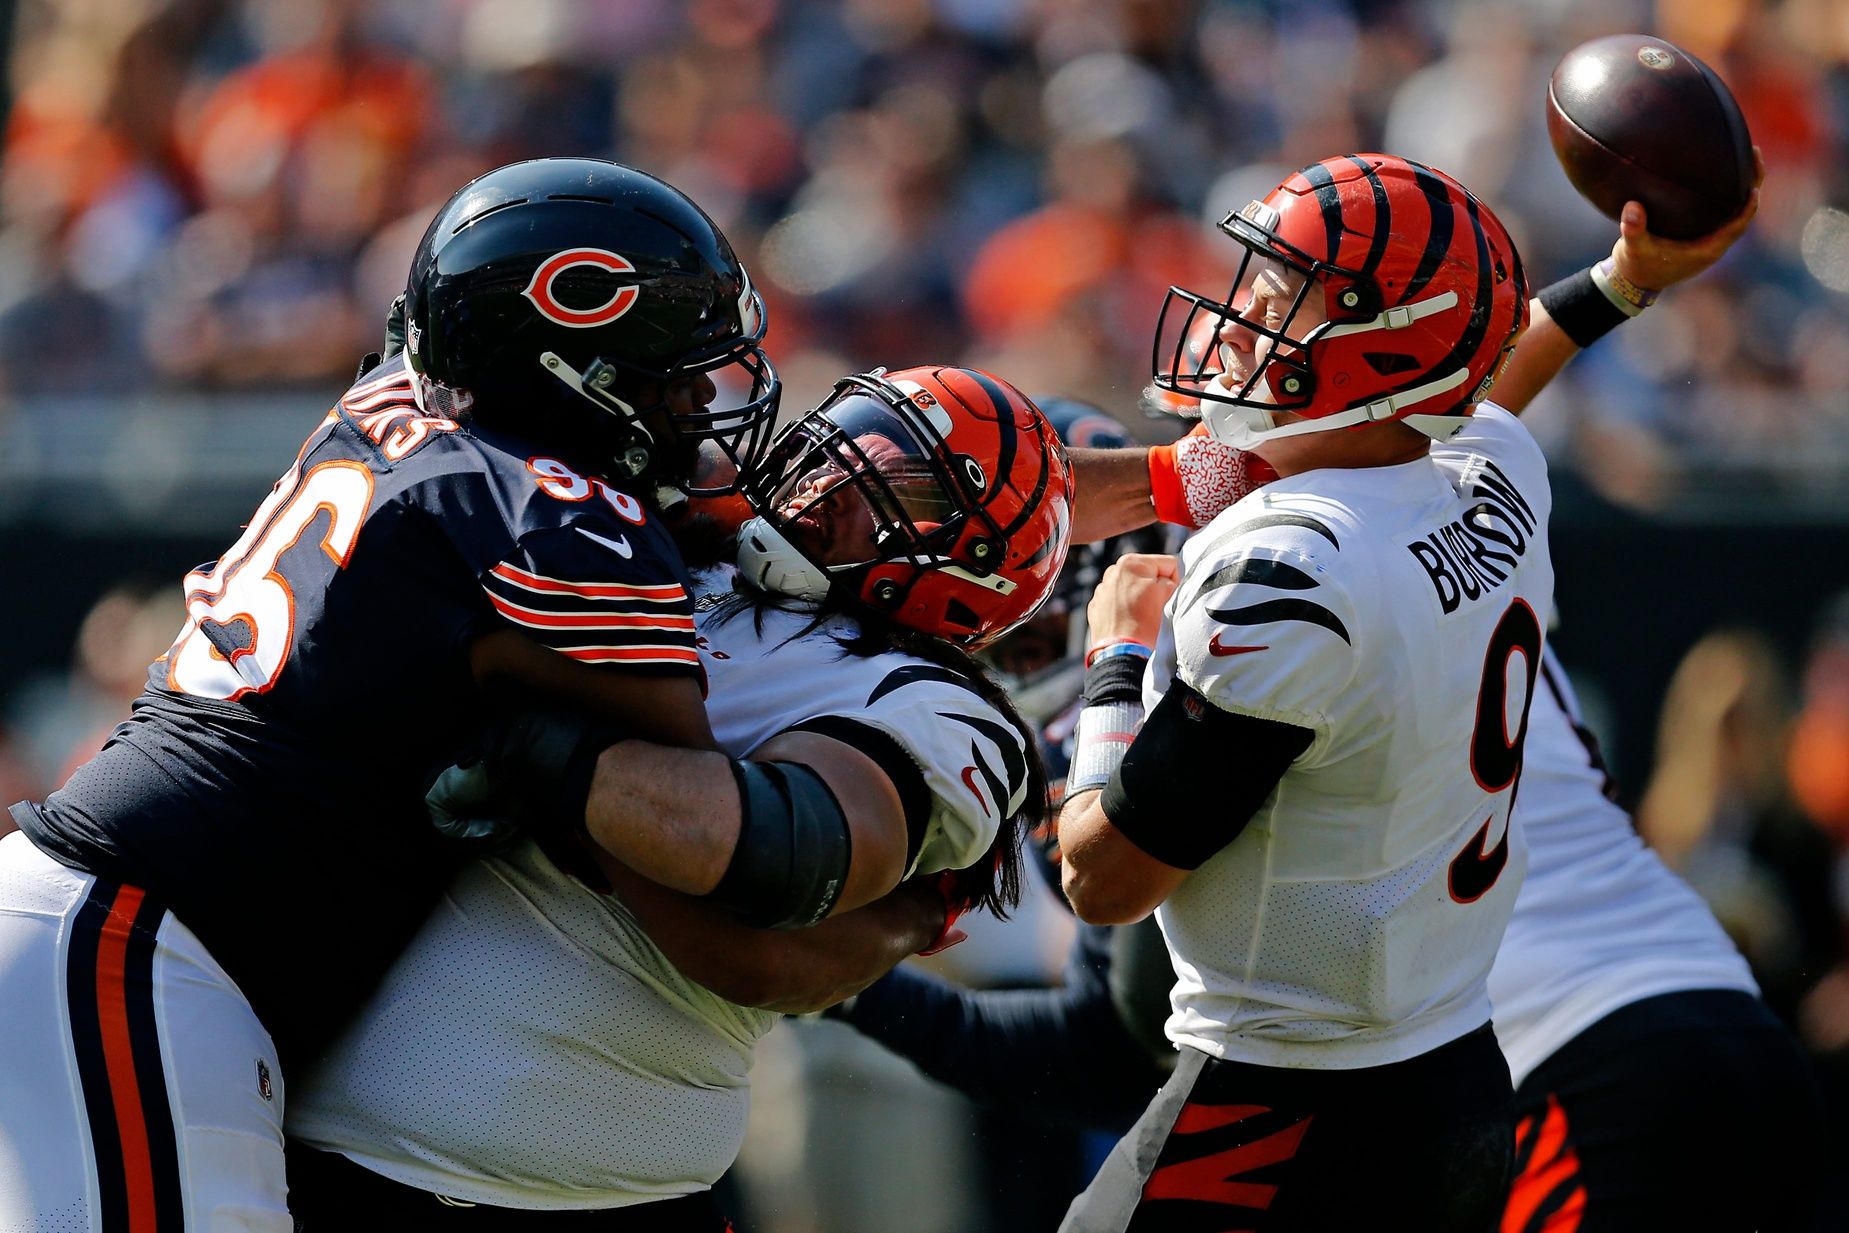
[(907, 780), (1195, 775), (1059, 1056)]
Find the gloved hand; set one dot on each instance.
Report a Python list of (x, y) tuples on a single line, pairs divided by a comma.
[(468, 805), (547, 758), (1193, 480)]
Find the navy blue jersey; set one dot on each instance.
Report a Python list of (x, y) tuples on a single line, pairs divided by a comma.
[(268, 787)]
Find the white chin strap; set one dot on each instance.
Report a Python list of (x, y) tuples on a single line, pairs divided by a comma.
[(771, 563), (1246, 427)]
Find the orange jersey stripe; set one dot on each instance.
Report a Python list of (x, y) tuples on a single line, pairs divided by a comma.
[(119, 1059), (633, 654), (667, 621), (654, 594)]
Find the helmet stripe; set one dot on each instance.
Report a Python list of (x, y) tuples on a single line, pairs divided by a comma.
[(1443, 222), (1329, 200), (1474, 333), (1004, 414), (1383, 218)]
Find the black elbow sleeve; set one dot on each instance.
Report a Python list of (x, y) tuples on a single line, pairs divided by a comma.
[(1195, 775), (793, 849)]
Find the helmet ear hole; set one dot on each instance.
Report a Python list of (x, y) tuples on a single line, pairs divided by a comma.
[(1355, 300)]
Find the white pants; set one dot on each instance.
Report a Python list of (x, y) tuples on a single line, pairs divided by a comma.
[(138, 1091)]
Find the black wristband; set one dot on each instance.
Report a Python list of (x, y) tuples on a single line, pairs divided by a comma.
[(1115, 678), (1583, 312)]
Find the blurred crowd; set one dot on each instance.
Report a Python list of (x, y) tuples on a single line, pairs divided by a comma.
[(223, 195), (218, 198)]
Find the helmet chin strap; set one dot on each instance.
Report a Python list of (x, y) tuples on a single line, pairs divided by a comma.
[(1244, 427), (593, 385), (771, 563)]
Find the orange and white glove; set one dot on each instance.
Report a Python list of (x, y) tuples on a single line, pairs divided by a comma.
[(1193, 480)]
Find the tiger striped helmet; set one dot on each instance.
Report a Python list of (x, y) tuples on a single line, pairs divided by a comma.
[(1371, 288), (938, 497)]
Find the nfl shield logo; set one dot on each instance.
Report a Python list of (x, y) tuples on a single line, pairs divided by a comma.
[(263, 1079)]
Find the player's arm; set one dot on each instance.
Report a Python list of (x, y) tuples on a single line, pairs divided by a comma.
[(1186, 482), (510, 665), (1575, 312), (587, 611), (1063, 1055), (1151, 799), (795, 971), (807, 826)]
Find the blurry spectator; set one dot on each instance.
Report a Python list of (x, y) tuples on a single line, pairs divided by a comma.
[(1719, 811), (62, 719)]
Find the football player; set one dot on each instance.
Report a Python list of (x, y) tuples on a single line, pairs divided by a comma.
[(1314, 790), (541, 1049), (1623, 1010), (477, 521)]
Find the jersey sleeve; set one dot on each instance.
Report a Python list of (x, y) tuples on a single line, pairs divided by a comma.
[(972, 759), (1265, 627), (598, 598)]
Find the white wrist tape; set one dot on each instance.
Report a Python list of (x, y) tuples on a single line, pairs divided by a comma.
[(1103, 736)]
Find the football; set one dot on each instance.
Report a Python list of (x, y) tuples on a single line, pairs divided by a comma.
[(1633, 118)]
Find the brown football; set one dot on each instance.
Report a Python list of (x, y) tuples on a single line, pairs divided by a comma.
[(1634, 118)]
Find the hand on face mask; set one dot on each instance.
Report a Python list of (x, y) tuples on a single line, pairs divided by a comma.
[(1196, 478)]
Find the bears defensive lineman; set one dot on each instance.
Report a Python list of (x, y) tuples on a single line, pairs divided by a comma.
[(541, 1050), (475, 519), (1318, 799)]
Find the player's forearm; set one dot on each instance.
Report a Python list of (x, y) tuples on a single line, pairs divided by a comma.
[(1057, 1055), (1110, 493), (1541, 352), (808, 970), (789, 971), (672, 815)]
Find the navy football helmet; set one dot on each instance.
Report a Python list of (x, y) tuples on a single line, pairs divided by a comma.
[(558, 299)]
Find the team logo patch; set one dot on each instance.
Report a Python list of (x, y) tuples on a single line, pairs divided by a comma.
[(263, 1080), (542, 289)]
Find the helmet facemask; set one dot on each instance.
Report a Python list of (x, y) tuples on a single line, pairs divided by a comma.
[(862, 482), (1271, 335), (740, 431)]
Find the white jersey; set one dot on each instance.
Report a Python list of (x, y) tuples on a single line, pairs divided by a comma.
[(1395, 613), (1600, 922), (533, 1049)]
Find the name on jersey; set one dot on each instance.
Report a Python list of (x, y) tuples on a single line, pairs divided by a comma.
[(1471, 556)]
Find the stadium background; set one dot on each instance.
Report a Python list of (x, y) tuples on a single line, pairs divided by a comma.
[(205, 206)]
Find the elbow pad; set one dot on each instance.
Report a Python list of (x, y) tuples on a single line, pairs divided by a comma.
[(791, 861)]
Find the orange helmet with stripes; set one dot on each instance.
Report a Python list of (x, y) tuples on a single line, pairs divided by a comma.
[(939, 497), (1371, 288)]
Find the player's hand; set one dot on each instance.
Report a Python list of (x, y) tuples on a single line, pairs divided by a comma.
[(468, 805), (1655, 263), (1193, 480), (546, 760), (1129, 599), (394, 328)]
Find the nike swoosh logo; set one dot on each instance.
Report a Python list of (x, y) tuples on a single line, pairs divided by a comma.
[(1216, 647), (619, 545)]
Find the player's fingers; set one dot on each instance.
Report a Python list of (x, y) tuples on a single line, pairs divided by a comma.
[(1633, 221), (1759, 167)]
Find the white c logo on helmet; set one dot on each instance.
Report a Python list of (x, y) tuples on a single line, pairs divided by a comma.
[(539, 290)]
